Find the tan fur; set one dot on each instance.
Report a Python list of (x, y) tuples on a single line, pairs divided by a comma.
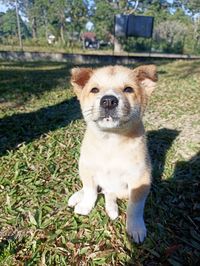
[(137, 193), (114, 155)]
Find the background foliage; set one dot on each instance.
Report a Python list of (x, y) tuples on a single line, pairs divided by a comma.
[(177, 24)]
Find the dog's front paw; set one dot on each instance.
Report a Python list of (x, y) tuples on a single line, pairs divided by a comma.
[(75, 198), (136, 230), (112, 213), (83, 209), (112, 210)]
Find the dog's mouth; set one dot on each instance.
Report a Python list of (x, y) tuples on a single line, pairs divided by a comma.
[(108, 115), (108, 118), (111, 120)]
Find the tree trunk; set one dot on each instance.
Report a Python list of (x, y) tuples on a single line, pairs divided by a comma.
[(62, 33), (29, 5), (18, 24), (117, 46), (34, 28), (46, 25)]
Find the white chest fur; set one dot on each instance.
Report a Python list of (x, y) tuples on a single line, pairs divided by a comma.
[(115, 162)]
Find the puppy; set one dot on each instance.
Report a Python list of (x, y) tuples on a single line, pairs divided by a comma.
[(114, 153)]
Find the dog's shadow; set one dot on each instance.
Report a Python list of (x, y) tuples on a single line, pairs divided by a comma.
[(159, 142), (172, 208), (25, 127)]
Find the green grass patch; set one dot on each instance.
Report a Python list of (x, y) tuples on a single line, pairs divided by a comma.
[(41, 130)]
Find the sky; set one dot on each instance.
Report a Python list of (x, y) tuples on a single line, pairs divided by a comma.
[(3, 8)]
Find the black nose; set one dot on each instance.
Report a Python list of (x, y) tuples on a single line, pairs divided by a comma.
[(109, 101)]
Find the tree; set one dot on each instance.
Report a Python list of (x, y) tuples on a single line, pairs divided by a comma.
[(192, 5), (78, 14), (30, 11), (173, 34), (58, 16), (103, 18), (41, 10), (8, 22), (18, 24), (196, 28), (15, 3)]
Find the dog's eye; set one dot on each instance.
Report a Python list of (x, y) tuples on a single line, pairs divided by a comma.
[(128, 90), (94, 90)]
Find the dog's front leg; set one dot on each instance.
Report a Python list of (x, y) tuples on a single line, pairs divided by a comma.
[(135, 225), (84, 200), (111, 205)]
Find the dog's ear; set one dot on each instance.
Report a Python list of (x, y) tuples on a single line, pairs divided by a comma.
[(147, 76), (79, 77)]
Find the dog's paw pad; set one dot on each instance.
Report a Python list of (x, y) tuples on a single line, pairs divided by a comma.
[(82, 209), (137, 232)]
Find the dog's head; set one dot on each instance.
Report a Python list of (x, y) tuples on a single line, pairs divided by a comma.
[(113, 97)]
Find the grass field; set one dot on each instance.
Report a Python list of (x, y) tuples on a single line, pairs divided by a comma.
[(40, 135)]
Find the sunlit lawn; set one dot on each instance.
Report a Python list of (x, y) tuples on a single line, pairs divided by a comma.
[(40, 135)]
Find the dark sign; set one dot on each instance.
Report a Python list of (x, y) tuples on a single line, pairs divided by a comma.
[(136, 26), (121, 24)]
